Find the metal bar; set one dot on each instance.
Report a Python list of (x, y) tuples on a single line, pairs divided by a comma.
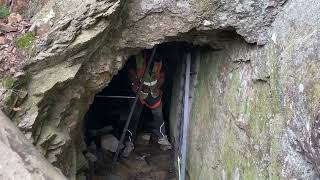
[(115, 158), (179, 168), (116, 97), (179, 116), (185, 118)]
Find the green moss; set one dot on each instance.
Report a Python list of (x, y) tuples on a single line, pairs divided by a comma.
[(258, 103), (233, 158), (7, 82), (275, 168), (233, 87), (259, 109), (8, 99), (25, 40), (4, 11), (274, 81), (205, 117)]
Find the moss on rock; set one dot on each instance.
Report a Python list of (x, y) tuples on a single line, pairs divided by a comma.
[(4, 11), (7, 82), (25, 40)]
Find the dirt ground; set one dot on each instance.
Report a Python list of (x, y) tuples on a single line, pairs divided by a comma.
[(146, 162)]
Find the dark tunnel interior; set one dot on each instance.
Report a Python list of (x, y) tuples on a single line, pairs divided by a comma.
[(112, 105), (109, 112)]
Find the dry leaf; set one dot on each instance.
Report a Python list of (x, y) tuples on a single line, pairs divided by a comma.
[(17, 109), (2, 40), (12, 70), (14, 18), (7, 28)]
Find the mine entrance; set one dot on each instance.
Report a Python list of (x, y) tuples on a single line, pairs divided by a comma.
[(105, 120)]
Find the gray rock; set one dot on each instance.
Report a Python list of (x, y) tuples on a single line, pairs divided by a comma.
[(91, 157), (254, 110), (105, 130), (110, 143), (113, 177), (19, 159)]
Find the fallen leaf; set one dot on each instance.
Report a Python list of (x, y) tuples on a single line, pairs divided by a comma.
[(17, 109), (19, 5), (7, 28), (2, 40), (12, 70), (14, 18)]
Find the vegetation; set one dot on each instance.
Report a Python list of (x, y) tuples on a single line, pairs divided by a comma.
[(4, 11), (25, 40), (7, 82)]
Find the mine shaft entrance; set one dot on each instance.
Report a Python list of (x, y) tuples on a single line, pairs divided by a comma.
[(105, 120)]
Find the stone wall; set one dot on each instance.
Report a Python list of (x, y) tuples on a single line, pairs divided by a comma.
[(256, 109)]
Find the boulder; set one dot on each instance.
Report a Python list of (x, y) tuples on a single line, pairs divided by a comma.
[(19, 159), (109, 142)]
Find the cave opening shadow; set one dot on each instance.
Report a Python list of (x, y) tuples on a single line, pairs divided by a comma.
[(109, 112)]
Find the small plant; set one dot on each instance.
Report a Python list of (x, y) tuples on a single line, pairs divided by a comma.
[(4, 11), (25, 40), (7, 82)]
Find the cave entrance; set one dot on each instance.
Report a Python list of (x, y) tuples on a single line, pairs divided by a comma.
[(105, 120)]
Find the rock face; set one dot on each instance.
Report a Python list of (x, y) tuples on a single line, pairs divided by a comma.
[(255, 108), (19, 159)]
